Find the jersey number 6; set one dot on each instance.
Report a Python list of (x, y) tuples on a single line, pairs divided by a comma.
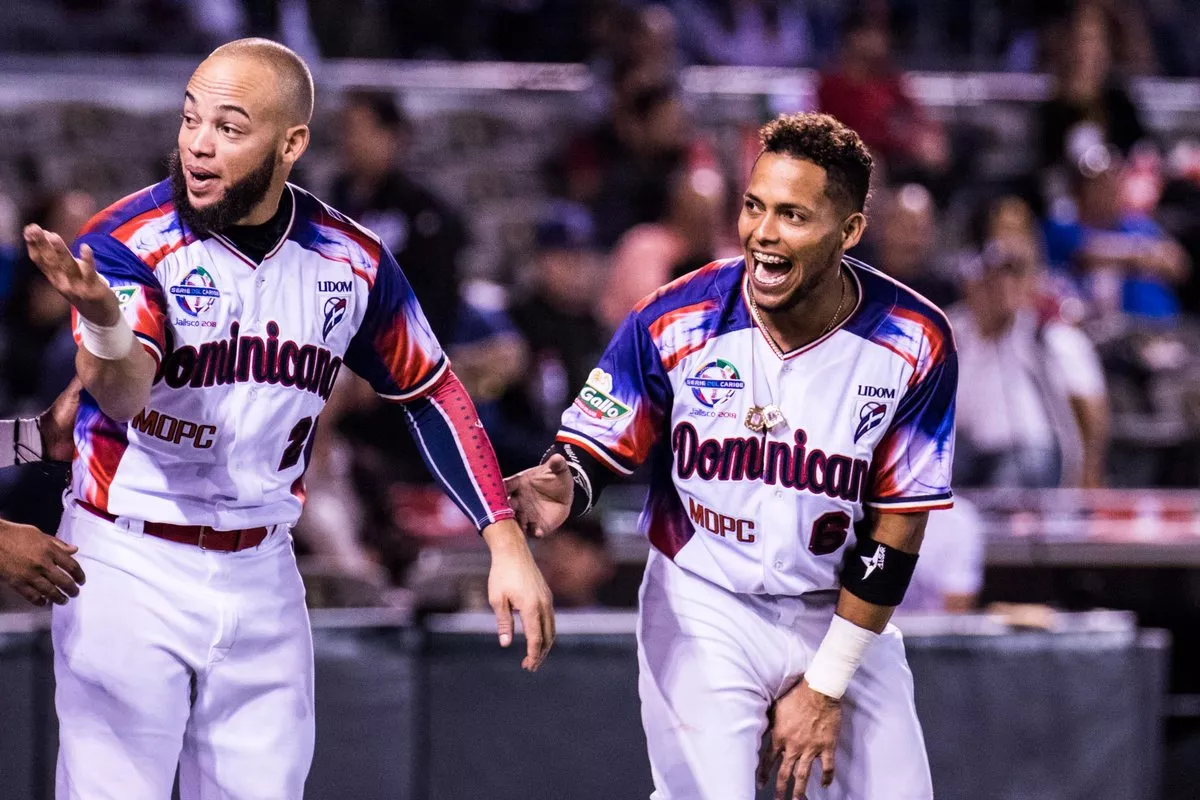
[(296, 440), (829, 533)]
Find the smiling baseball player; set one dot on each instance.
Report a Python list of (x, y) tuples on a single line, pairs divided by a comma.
[(798, 406), (215, 311)]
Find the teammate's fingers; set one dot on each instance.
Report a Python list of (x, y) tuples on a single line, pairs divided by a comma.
[(48, 590), (504, 621), (557, 464), (28, 592), (62, 559), (69, 549), (63, 581), (827, 767)]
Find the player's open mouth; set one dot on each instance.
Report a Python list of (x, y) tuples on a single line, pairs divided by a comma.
[(769, 269), (200, 179)]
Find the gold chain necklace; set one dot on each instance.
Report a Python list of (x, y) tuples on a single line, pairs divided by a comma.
[(762, 419), (832, 321)]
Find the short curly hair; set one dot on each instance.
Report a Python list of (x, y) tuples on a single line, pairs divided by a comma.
[(829, 144)]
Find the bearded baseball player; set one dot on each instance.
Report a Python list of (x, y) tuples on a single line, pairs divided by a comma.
[(215, 311), (799, 408), (38, 567)]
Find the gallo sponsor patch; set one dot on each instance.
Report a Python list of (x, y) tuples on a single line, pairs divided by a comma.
[(126, 294), (596, 400)]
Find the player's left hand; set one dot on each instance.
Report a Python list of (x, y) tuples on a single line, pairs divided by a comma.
[(804, 727), (57, 424), (516, 584)]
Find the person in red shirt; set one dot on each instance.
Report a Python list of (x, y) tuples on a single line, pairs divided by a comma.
[(866, 92)]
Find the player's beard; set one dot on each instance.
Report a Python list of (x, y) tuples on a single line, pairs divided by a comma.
[(234, 204)]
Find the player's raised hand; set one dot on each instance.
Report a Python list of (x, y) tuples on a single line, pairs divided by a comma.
[(75, 279), (57, 424), (804, 728), (541, 496), (38, 566), (516, 584)]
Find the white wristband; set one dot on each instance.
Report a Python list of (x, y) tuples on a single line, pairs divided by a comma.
[(20, 442), (838, 657), (109, 342)]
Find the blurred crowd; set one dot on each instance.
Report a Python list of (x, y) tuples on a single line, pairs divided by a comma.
[(1071, 289), (1154, 37)]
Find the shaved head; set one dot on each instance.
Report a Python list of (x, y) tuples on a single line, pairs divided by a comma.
[(295, 80)]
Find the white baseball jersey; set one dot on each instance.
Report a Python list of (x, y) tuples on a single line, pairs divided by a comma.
[(868, 421), (248, 354)]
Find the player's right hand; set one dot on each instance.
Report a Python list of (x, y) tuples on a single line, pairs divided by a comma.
[(75, 279), (541, 496), (38, 566), (804, 726)]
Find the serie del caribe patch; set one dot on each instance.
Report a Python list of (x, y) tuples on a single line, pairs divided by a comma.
[(596, 400)]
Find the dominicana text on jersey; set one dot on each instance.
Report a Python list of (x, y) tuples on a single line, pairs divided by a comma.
[(247, 355), (868, 420)]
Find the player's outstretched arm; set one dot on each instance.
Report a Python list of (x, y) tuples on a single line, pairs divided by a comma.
[(516, 584), (805, 722), (113, 369)]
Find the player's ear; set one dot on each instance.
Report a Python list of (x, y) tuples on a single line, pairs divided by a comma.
[(852, 229), (295, 142)]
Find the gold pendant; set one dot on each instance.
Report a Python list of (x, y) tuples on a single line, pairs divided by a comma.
[(755, 419), (772, 417)]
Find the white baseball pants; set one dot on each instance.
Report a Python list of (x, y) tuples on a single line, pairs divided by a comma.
[(710, 664), (175, 655)]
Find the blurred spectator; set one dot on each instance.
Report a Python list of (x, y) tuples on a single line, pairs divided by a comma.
[(424, 234), (866, 91), (38, 356), (576, 564), (557, 320), (1032, 407), (1179, 212), (1090, 104), (654, 253), (949, 573), (906, 239), (758, 33), (1122, 259), (621, 170)]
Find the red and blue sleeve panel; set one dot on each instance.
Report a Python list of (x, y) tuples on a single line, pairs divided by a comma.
[(913, 461), (394, 349), (619, 414), (138, 291), (100, 445), (457, 451)]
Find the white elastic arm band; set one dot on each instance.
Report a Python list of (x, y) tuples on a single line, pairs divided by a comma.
[(20, 442), (837, 658), (109, 342)]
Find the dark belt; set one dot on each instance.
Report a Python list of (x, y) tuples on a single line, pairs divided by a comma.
[(200, 536)]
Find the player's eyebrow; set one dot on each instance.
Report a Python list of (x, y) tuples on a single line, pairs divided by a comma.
[(222, 107), (781, 206)]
